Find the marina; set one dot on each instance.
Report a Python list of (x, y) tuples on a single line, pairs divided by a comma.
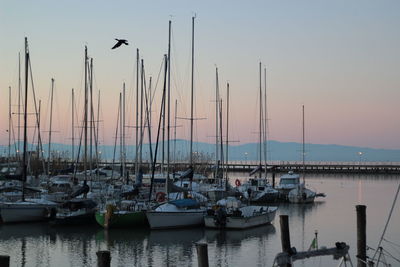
[(334, 217), (199, 134)]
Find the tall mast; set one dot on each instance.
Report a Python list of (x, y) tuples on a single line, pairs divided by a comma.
[(121, 134), (9, 128), (141, 114), (123, 131), (85, 116), (216, 123), (38, 125), (137, 113), (191, 99), (265, 123), (91, 120), (148, 99), (97, 134), (304, 151), (169, 98), (19, 103), (73, 127), (227, 131), (24, 174), (50, 130), (260, 125), (176, 114)]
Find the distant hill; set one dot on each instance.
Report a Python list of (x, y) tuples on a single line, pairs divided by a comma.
[(277, 151)]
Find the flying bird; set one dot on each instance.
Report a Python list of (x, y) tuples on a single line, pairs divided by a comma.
[(119, 43)]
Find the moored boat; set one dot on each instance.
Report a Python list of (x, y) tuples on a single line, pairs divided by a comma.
[(131, 214), (176, 214), (76, 211), (230, 214)]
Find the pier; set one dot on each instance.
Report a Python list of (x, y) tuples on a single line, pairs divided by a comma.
[(285, 166)]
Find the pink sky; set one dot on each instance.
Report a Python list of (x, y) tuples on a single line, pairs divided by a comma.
[(339, 59)]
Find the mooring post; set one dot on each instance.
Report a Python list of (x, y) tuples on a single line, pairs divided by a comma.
[(103, 258), (4, 261), (361, 236), (285, 235), (202, 254)]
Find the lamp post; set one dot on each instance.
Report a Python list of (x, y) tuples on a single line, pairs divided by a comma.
[(245, 156), (360, 157)]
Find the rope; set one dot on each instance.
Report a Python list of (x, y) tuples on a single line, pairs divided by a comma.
[(390, 255), (387, 222)]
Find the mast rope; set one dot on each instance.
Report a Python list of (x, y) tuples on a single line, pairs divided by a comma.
[(388, 220)]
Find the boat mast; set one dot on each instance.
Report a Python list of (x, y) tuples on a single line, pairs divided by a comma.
[(24, 174), (169, 99), (9, 129), (176, 114), (50, 130), (216, 124), (97, 136), (91, 120), (73, 126), (265, 123), (304, 152), (85, 116), (123, 132), (137, 113), (260, 125), (19, 102), (141, 114), (227, 136), (191, 100)]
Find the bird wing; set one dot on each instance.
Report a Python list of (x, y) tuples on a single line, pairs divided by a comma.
[(116, 45)]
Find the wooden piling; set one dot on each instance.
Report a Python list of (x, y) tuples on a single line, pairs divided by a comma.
[(202, 254), (103, 258), (4, 261), (361, 236), (285, 235)]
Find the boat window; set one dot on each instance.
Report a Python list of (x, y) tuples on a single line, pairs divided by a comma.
[(289, 181)]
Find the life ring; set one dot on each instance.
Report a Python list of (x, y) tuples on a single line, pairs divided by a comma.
[(237, 182), (160, 197)]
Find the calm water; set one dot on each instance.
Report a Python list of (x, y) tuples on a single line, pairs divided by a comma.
[(334, 217)]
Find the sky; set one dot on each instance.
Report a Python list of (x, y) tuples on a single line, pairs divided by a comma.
[(340, 59)]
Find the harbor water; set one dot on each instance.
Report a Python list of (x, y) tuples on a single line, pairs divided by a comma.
[(334, 217)]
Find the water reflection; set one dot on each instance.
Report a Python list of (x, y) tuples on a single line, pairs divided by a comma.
[(334, 217)]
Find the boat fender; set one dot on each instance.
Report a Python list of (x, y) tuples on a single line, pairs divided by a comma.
[(237, 182), (160, 197)]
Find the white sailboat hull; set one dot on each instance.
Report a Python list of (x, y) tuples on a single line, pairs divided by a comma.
[(25, 212), (177, 219), (244, 222)]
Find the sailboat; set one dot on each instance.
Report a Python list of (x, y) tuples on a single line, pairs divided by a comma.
[(181, 212), (300, 194), (258, 189), (26, 210), (126, 212)]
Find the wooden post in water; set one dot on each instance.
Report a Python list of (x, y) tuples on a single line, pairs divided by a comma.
[(361, 236), (4, 260), (103, 258), (285, 235), (202, 254)]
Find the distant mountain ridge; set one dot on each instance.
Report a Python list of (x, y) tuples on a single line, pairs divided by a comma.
[(277, 151)]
